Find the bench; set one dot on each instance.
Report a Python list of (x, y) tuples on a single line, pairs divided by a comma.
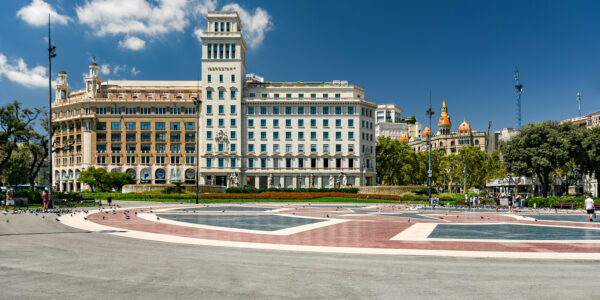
[(87, 200), (596, 205), (564, 205)]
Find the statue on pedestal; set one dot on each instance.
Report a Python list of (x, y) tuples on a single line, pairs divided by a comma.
[(331, 182), (270, 181), (344, 180)]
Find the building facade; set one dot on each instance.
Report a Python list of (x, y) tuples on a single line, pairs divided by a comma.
[(389, 122), (251, 132), (451, 142)]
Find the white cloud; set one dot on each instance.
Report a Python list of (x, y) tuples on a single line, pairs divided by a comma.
[(105, 69), (132, 43), (133, 16), (21, 74), (254, 26), (36, 14), (135, 71)]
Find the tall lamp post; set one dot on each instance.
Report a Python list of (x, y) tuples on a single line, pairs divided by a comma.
[(51, 55), (198, 104), (429, 113)]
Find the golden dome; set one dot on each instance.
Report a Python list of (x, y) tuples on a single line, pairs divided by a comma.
[(444, 118), (403, 137), (464, 127), (427, 132)]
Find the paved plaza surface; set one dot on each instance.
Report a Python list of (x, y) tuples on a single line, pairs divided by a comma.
[(42, 257)]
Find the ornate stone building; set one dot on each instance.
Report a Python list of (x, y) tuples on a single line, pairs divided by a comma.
[(288, 134), (451, 142)]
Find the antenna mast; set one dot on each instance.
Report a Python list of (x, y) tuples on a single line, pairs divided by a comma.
[(519, 88), (579, 103)]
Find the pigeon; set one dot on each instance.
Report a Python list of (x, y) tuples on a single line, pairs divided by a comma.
[(136, 213), (482, 217), (57, 220), (442, 218), (457, 217), (127, 217), (84, 218), (158, 218), (7, 221), (43, 217), (103, 218), (535, 220), (408, 220), (328, 215)]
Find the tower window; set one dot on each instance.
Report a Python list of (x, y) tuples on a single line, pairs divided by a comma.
[(233, 51), (228, 24), (227, 49), (209, 47), (222, 26), (216, 26), (221, 51)]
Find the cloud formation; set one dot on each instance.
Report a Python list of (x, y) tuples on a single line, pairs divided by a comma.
[(117, 70), (21, 74), (36, 14), (132, 43), (254, 26)]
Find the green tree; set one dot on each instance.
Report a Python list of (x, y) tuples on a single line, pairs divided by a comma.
[(15, 170), (16, 126), (539, 149), (477, 162), (591, 161), (95, 178), (116, 181)]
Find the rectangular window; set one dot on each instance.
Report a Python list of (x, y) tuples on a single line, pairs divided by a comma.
[(161, 137), (208, 162), (100, 148), (175, 148), (221, 147), (350, 123), (232, 109), (232, 122), (350, 135), (190, 137), (338, 148), (101, 126), (221, 47), (288, 135), (221, 109), (233, 56), (350, 110), (160, 148), (232, 77), (252, 95), (145, 148), (161, 110), (325, 96), (300, 135), (250, 123), (263, 147), (209, 77), (276, 96), (288, 147), (325, 123), (313, 147), (300, 162), (313, 135), (325, 163), (209, 134), (276, 148), (250, 162), (338, 110), (227, 49), (130, 137), (115, 137), (288, 96), (276, 110), (325, 110), (208, 147), (116, 126), (264, 96), (250, 110), (313, 110), (190, 125), (263, 123), (263, 163), (337, 96), (209, 109), (313, 96), (338, 123), (288, 162), (175, 126), (263, 110), (232, 162), (251, 135), (159, 126), (301, 110), (208, 122), (130, 110), (232, 95), (233, 135), (208, 95), (175, 137), (301, 96), (189, 160), (351, 148), (275, 123), (175, 110), (276, 135), (301, 148), (338, 135), (130, 126), (190, 148), (350, 163), (221, 95), (288, 110), (313, 123), (300, 123), (288, 123), (221, 122), (325, 135), (232, 147)]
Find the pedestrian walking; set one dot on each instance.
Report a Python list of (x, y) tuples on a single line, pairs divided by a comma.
[(10, 199), (589, 207), (497, 202), (510, 203), (46, 199)]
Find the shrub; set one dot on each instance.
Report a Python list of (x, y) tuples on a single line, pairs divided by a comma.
[(33, 197), (241, 190)]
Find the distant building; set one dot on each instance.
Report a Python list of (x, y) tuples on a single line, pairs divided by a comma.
[(589, 121), (451, 142), (389, 122)]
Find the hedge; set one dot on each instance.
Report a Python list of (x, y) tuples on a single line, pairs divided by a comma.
[(241, 190), (547, 202)]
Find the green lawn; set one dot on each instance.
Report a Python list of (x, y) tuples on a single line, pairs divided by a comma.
[(323, 199)]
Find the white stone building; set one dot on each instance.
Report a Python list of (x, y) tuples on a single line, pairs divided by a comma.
[(252, 132)]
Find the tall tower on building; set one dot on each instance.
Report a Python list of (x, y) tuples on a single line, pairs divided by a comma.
[(444, 123), (223, 73)]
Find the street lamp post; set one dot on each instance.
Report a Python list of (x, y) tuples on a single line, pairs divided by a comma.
[(51, 55), (465, 176), (198, 104), (429, 113)]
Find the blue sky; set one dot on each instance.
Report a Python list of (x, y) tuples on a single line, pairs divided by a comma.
[(463, 51)]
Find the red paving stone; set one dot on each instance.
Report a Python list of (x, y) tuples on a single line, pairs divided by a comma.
[(370, 231)]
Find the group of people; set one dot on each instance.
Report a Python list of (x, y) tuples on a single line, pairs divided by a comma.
[(10, 200), (473, 201)]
